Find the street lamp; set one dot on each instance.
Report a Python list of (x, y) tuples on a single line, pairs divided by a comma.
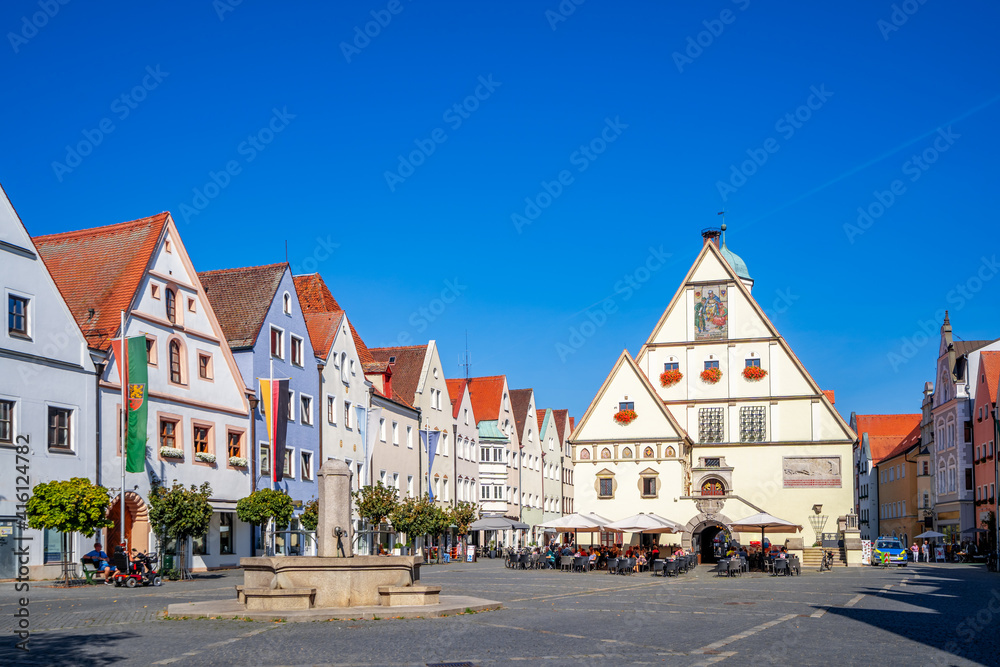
[(254, 402)]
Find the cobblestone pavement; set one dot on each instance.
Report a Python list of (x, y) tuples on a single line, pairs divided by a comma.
[(924, 614)]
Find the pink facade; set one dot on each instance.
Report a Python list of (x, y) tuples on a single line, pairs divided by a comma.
[(984, 435)]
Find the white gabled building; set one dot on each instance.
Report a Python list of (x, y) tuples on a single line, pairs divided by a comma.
[(48, 399), (198, 413), (756, 434)]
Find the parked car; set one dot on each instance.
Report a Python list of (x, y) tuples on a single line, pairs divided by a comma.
[(888, 551)]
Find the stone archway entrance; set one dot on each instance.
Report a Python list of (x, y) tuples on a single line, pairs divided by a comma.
[(136, 523), (700, 534)]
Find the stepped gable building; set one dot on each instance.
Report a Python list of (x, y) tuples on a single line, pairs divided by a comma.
[(259, 311), (48, 400), (715, 419), (876, 437), (198, 415)]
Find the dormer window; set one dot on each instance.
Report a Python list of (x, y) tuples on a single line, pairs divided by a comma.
[(171, 306)]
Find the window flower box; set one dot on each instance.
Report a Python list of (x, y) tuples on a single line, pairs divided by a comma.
[(625, 417), (171, 453), (205, 457), (711, 375), (754, 373), (670, 378), (237, 462)]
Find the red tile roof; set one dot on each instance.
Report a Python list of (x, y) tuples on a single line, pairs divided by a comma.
[(315, 297), (241, 299), (885, 432), (572, 424), (409, 362), (520, 401), (456, 387), (561, 417), (541, 419), (989, 364), (911, 439), (101, 269), (831, 395), (486, 394), (322, 328)]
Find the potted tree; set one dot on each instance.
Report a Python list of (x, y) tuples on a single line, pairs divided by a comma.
[(375, 504), (266, 508), (179, 513)]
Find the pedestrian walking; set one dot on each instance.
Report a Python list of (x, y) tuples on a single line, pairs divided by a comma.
[(925, 548), (916, 552)]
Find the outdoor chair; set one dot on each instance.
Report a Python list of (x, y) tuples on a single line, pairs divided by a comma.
[(780, 567), (536, 561), (744, 565), (735, 568), (612, 565), (625, 566), (657, 567), (580, 564), (522, 562), (565, 563), (682, 564), (670, 568)]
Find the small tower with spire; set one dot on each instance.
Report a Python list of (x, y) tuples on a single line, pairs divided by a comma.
[(737, 264)]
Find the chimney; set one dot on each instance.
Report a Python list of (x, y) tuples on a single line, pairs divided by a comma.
[(711, 235)]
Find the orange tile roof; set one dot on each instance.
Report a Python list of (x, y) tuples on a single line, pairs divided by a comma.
[(241, 299), (520, 401), (101, 269), (456, 387), (989, 364), (486, 394), (831, 395), (561, 417), (885, 432), (322, 328), (541, 419), (409, 362), (315, 297), (911, 439)]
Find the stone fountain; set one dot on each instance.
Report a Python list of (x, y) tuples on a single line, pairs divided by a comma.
[(335, 583)]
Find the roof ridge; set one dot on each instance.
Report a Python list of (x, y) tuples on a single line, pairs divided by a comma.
[(242, 268), (89, 230)]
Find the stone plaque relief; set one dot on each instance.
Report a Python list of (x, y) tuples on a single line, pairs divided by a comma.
[(711, 312), (811, 471)]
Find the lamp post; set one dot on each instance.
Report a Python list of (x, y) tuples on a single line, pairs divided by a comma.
[(252, 450)]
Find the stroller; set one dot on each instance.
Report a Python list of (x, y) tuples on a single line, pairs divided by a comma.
[(139, 570)]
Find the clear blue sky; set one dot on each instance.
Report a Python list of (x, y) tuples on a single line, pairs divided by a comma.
[(389, 245)]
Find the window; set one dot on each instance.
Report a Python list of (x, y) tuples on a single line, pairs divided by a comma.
[(171, 306), (626, 405), (713, 487), (17, 315), (234, 444), (151, 351), (154, 290), (466, 413), (59, 428), (175, 363), (347, 414), (288, 469), (606, 487), (409, 437), (277, 343), (291, 405), (381, 429), (925, 468), (227, 536), (713, 462), (6, 422), (168, 433), (265, 458), (409, 485), (648, 487), (902, 470), (711, 364), (753, 426), (968, 479), (753, 363), (671, 366), (305, 465), (192, 307), (286, 303), (201, 440), (297, 351), (484, 454), (306, 409), (205, 366), (331, 409), (199, 545), (710, 425)]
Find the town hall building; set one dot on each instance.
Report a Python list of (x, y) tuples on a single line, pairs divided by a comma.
[(714, 420)]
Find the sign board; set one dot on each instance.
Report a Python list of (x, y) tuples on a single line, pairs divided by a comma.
[(866, 552), (470, 553)]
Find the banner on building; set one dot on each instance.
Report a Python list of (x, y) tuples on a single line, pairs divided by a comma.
[(429, 440), (134, 374), (274, 401)]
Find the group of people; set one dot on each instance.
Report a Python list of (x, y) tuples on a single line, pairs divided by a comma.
[(598, 555), (949, 552)]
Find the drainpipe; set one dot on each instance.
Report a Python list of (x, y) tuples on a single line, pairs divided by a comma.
[(319, 392), (420, 460), (100, 366)]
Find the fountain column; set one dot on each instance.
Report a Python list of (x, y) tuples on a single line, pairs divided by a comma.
[(335, 511)]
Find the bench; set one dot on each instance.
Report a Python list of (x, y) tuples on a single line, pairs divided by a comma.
[(91, 571)]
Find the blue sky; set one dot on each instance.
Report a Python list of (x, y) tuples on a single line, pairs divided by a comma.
[(629, 125)]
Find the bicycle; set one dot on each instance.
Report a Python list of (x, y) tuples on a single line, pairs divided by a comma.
[(827, 563)]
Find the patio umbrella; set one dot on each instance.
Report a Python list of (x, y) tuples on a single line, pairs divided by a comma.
[(645, 523), (767, 523), (928, 535), (490, 523), (974, 531)]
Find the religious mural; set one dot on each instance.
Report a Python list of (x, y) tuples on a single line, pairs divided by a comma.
[(711, 312), (812, 471)]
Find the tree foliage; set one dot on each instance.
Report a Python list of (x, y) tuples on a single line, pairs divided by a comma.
[(310, 515), (264, 504), (415, 516), (376, 503), (180, 512), (463, 514), (76, 505)]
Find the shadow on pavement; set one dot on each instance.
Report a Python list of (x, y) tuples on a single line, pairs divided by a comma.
[(70, 648)]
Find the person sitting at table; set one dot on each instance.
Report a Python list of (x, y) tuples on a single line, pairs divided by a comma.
[(655, 554), (783, 554), (550, 558), (100, 560), (566, 551), (640, 562)]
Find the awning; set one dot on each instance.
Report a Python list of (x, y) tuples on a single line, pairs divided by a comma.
[(222, 505)]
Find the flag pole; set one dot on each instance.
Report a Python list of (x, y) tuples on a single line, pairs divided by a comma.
[(123, 378), (274, 452)]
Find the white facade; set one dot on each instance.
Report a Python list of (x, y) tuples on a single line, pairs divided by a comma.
[(466, 445), (46, 373)]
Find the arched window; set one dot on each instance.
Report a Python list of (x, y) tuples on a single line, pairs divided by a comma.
[(176, 376), (648, 452), (584, 454), (627, 453), (605, 453), (670, 452), (287, 303), (171, 304), (713, 487)]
